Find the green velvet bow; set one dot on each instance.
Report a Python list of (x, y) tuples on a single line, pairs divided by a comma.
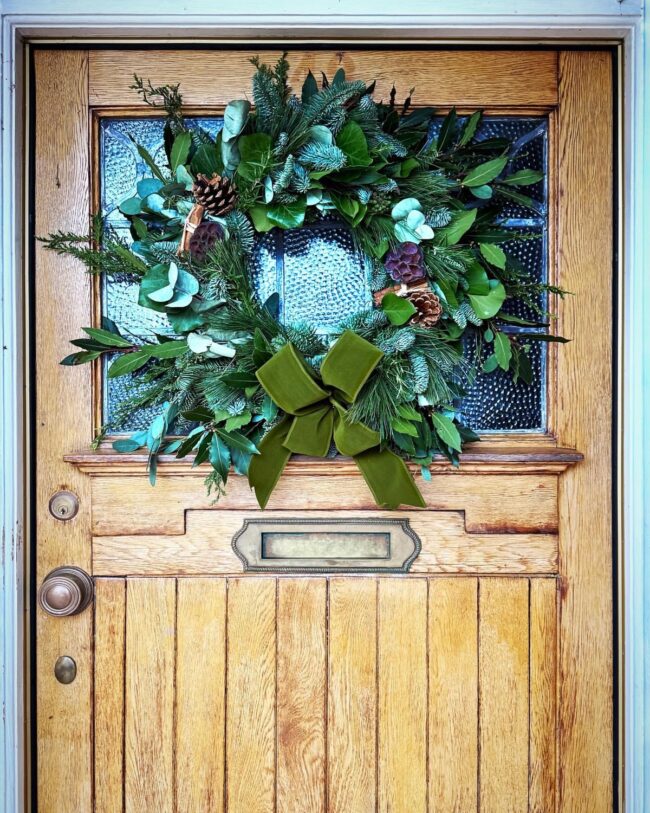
[(316, 414)]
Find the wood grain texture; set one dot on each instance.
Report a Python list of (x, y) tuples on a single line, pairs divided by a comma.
[(443, 77), (149, 726), (402, 695), (503, 695), (206, 546), (585, 236), (110, 646), (531, 506), (543, 690), (352, 701), (250, 705), (453, 695), (200, 695), (301, 695), (62, 423)]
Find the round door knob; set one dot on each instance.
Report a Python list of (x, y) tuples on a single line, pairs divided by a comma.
[(65, 591)]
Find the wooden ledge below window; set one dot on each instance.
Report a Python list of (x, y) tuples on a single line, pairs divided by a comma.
[(503, 460)]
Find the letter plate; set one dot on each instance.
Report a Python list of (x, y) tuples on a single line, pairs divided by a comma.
[(327, 545)]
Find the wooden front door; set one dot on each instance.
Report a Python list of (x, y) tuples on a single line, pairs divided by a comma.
[(482, 679)]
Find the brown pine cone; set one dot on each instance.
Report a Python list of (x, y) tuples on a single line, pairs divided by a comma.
[(217, 194), (428, 307)]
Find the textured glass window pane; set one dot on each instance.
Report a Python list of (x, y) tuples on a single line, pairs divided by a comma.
[(319, 274)]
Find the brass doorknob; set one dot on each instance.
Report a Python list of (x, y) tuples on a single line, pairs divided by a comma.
[(65, 591)]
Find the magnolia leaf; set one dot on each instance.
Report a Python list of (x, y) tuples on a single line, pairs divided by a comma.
[(494, 254), (447, 130), (469, 130), (180, 150), (502, 350), (461, 223), (447, 431), (168, 350), (525, 177), (127, 363), (484, 173), (236, 440), (106, 337), (398, 310), (309, 88), (404, 427)]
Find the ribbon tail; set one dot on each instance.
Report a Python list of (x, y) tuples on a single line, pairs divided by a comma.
[(266, 468), (388, 478)]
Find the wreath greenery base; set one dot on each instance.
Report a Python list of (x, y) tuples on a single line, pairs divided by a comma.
[(422, 199)]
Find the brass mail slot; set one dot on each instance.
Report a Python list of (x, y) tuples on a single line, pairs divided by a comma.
[(329, 544), (324, 545)]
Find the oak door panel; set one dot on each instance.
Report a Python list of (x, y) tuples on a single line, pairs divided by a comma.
[(344, 695)]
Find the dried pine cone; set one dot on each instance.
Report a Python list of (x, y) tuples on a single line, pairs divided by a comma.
[(405, 263), (217, 194), (205, 236), (428, 307)]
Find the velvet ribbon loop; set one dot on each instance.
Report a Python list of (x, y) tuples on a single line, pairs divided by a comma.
[(316, 415)]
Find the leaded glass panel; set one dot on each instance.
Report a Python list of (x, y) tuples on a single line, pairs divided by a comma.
[(319, 274)]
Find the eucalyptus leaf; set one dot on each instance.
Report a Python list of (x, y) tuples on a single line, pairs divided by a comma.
[(234, 119)]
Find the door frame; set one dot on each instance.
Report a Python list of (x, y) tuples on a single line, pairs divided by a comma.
[(582, 21)]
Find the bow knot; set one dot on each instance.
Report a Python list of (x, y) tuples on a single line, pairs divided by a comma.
[(316, 415)]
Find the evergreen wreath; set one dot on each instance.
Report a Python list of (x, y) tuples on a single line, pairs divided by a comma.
[(423, 208)]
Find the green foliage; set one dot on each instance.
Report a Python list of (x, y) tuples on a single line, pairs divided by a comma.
[(289, 160)]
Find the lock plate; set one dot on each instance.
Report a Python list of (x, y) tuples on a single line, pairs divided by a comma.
[(64, 505)]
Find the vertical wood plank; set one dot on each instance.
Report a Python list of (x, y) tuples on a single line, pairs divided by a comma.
[(503, 695), (584, 377), (63, 421), (200, 695), (352, 704), (150, 654), (402, 666), (453, 695), (110, 617), (301, 694), (250, 706), (543, 667)]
